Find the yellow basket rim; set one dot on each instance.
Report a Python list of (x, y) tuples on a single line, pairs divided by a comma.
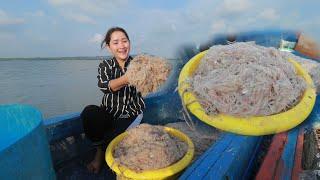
[(151, 174)]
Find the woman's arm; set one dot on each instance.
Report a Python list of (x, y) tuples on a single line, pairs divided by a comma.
[(118, 83), (105, 81)]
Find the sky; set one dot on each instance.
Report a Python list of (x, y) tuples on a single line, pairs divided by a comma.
[(55, 28)]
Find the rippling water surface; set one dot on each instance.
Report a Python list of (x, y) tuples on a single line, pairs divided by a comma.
[(55, 87)]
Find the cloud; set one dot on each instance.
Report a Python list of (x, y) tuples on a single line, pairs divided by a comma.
[(158, 30), (89, 7), (85, 11), (61, 2), (235, 6), (269, 14), (38, 13), (218, 26), (96, 38), (81, 18), (7, 20)]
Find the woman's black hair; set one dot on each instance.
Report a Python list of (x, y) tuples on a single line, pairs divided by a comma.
[(107, 37)]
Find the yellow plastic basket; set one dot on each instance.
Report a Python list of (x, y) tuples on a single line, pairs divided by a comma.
[(164, 173), (259, 125)]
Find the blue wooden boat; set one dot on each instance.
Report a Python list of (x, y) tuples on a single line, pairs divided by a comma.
[(231, 157)]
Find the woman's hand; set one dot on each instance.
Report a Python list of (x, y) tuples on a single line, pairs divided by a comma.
[(125, 78)]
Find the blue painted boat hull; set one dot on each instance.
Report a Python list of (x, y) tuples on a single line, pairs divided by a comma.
[(24, 149)]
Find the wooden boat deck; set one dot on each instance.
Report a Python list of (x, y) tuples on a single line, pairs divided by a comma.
[(76, 169), (284, 157), (232, 157)]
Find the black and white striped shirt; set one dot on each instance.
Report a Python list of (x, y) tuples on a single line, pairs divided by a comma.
[(127, 101)]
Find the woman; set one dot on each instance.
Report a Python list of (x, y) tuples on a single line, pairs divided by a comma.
[(121, 103)]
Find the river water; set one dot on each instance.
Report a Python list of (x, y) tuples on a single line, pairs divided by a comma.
[(55, 87)]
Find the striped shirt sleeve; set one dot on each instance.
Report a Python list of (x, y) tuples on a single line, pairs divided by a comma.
[(104, 77)]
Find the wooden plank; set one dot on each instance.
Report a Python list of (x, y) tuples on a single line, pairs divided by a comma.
[(201, 166), (253, 163), (215, 170), (297, 169), (284, 169), (233, 163), (269, 165)]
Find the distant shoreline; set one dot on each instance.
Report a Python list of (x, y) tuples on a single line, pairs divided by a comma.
[(56, 58), (63, 58)]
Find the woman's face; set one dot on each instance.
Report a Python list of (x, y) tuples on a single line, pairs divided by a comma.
[(119, 45)]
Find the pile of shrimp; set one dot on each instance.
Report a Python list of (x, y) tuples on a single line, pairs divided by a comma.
[(147, 73), (149, 147), (244, 79), (311, 66)]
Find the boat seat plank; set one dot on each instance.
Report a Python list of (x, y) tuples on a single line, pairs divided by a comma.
[(269, 165), (288, 155), (231, 156), (233, 162), (200, 167), (297, 169)]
